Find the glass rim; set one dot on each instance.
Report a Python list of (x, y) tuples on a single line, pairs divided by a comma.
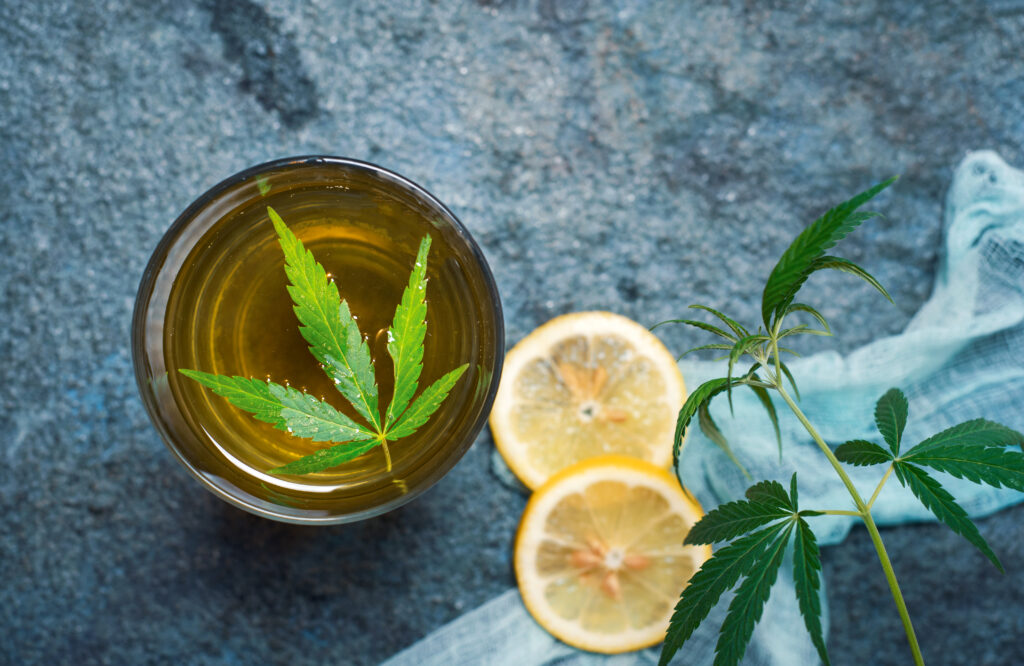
[(148, 282)]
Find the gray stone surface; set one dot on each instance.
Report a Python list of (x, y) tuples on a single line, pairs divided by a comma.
[(633, 157)]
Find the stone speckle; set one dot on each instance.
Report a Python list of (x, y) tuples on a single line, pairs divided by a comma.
[(635, 157), (272, 68)]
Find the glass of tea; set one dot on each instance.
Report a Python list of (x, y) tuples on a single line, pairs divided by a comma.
[(214, 298)]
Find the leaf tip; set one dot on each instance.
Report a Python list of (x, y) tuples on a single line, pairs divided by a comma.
[(276, 219), (458, 372), (203, 378)]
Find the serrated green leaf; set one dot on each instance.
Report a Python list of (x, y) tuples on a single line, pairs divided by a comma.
[(328, 326), (802, 329), (712, 432), (793, 497), (937, 500), (251, 395), (791, 271), (717, 575), (738, 329), (305, 416), (862, 453), (806, 570), (976, 432), (766, 402), (847, 266), (990, 465), (733, 519), (326, 458), (710, 328), (891, 418), (746, 607), (703, 347), (425, 405), (852, 221), (705, 391), (789, 376), (739, 349), (283, 407), (803, 307), (336, 342), (771, 493), (793, 330), (406, 335)]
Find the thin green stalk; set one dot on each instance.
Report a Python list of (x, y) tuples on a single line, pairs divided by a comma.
[(881, 484), (814, 433), (890, 576), (842, 512), (847, 481), (869, 522)]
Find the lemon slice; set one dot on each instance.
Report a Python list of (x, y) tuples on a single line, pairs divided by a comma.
[(582, 385), (599, 555)]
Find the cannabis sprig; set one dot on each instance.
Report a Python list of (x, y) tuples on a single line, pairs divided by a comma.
[(335, 341), (978, 451), (974, 450), (755, 557), (804, 257)]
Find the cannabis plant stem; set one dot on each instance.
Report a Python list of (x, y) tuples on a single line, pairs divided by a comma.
[(890, 576), (980, 451), (869, 522), (881, 484), (857, 500)]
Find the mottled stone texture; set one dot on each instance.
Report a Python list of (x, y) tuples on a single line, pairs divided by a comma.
[(634, 158)]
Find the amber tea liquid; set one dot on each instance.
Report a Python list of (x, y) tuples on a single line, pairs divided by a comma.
[(228, 312)]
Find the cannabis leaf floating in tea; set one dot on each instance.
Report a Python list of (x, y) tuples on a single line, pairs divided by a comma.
[(337, 344)]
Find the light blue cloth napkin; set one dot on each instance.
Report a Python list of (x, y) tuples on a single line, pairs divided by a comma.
[(957, 360)]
